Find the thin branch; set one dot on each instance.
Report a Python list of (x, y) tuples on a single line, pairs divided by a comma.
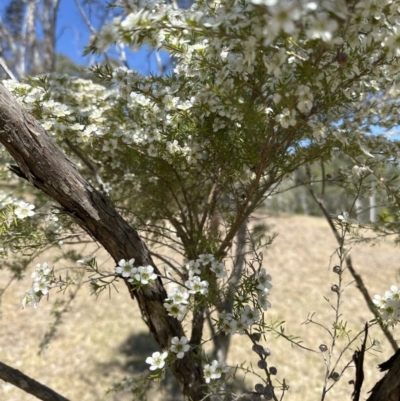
[(85, 18), (30, 386), (167, 262), (210, 205), (357, 278), (88, 164), (6, 69)]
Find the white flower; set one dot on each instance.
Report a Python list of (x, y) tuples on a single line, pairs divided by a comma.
[(193, 267), (322, 26), (283, 16), (125, 267), (249, 316), (173, 147), (218, 268), (305, 99), (219, 368), (345, 218), (196, 285), (145, 274), (389, 305), (208, 373), (30, 298), (157, 360), (180, 346), (392, 41), (42, 286), (263, 300), (205, 259), (178, 297), (318, 130), (40, 272), (263, 280), (359, 171), (287, 118), (241, 327), (178, 311), (24, 210), (214, 370), (229, 325), (108, 35)]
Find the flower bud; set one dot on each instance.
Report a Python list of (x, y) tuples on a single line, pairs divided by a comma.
[(258, 349), (262, 364), (273, 370), (337, 269), (323, 348), (255, 336), (259, 388), (342, 58), (335, 376), (335, 288), (269, 393), (266, 352)]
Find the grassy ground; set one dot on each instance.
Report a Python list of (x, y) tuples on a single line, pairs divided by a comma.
[(102, 341)]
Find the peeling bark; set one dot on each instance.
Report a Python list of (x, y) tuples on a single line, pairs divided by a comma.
[(44, 165)]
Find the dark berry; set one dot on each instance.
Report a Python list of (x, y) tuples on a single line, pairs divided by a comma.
[(259, 388)]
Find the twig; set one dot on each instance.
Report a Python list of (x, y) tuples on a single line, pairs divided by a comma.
[(6, 69), (357, 278), (88, 164), (85, 18)]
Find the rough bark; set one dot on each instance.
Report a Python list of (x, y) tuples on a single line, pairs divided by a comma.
[(388, 388), (43, 164), (25, 383)]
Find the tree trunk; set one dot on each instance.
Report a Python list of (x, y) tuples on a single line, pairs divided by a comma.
[(43, 164)]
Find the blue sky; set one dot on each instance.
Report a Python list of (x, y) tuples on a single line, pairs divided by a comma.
[(73, 35)]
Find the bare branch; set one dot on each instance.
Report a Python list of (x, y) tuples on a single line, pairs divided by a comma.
[(31, 386), (6, 69)]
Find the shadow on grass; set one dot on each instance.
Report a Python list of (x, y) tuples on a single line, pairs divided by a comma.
[(135, 349)]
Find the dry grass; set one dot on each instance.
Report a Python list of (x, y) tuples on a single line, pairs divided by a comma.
[(102, 341)]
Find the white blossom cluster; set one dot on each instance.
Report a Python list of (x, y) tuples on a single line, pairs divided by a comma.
[(177, 302), (137, 275), (214, 370), (178, 346), (43, 280), (291, 63), (388, 305), (244, 317), (21, 209)]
